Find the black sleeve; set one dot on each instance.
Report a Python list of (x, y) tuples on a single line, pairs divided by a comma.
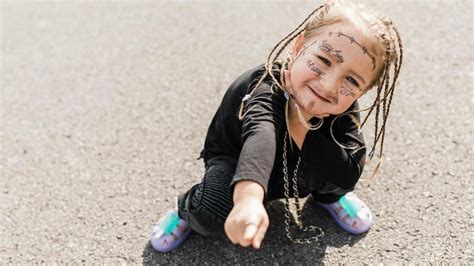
[(335, 164), (264, 116)]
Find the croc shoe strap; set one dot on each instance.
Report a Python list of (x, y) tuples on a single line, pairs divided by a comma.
[(351, 206)]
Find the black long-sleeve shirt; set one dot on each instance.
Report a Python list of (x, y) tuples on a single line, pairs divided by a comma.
[(257, 141)]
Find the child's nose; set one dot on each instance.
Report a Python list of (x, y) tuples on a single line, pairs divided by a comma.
[(330, 85)]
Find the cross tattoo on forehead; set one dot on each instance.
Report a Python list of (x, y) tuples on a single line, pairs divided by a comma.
[(353, 40)]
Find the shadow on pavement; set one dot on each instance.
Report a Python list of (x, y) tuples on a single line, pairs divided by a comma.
[(275, 247)]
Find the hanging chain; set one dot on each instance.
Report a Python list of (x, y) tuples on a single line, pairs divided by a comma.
[(310, 228)]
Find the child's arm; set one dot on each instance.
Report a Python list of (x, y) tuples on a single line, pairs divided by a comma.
[(248, 221), (264, 115)]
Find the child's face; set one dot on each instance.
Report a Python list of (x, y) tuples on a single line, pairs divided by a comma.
[(330, 70)]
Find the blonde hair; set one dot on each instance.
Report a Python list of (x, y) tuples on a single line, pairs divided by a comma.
[(386, 45)]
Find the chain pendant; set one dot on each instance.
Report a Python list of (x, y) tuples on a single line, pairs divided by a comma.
[(311, 228)]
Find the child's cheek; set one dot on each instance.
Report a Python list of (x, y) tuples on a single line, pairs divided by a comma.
[(298, 75), (344, 103)]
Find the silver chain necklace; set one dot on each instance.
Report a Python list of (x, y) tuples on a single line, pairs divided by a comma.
[(310, 228)]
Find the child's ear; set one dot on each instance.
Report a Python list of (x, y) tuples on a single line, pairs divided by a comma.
[(298, 45)]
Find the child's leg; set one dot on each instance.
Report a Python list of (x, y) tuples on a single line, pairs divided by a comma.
[(326, 197), (203, 208), (350, 212), (206, 205)]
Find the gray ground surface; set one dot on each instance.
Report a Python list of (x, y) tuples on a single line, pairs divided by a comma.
[(105, 107)]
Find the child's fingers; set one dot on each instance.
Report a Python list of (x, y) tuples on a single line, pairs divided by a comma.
[(229, 232), (257, 240), (231, 238), (249, 234)]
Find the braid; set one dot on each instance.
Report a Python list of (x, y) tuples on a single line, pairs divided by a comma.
[(397, 65), (377, 98), (290, 37), (384, 103), (384, 117), (388, 90), (272, 56), (377, 112), (271, 62), (376, 105)]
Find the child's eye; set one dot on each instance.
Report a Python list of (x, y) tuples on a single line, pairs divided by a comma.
[(353, 81), (325, 61)]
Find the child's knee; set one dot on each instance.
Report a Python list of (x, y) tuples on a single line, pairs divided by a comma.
[(205, 208), (206, 205), (204, 222)]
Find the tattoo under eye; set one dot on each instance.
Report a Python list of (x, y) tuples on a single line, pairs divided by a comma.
[(347, 92), (313, 67)]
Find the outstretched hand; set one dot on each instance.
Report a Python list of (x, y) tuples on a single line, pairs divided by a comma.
[(247, 223)]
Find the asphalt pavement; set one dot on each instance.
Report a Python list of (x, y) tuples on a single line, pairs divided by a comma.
[(105, 107)]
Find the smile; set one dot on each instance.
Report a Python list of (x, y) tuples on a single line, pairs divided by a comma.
[(318, 95)]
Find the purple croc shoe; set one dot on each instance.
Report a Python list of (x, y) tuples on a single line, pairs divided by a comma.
[(170, 232), (350, 213)]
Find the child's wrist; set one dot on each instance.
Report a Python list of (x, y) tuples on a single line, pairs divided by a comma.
[(248, 190)]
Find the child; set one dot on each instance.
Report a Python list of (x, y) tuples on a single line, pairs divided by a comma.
[(291, 128)]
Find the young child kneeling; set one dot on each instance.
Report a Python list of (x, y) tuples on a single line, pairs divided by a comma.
[(291, 128)]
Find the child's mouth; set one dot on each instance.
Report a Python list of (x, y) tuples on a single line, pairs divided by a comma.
[(318, 95)]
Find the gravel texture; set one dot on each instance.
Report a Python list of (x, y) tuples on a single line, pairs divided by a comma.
[(105, 107)]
